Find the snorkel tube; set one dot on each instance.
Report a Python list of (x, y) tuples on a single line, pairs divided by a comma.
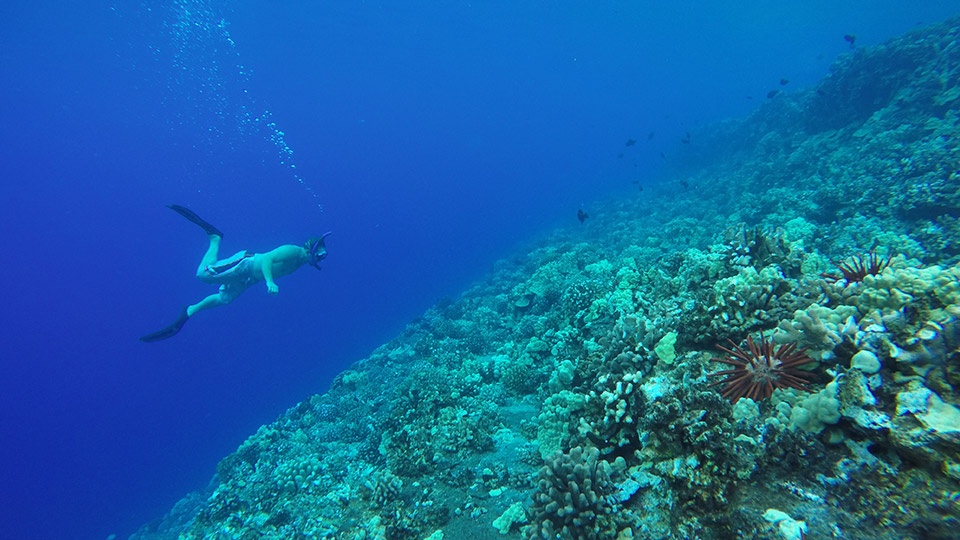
[(317, 250)]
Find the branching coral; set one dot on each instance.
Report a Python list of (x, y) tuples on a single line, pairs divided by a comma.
[(572, 497)]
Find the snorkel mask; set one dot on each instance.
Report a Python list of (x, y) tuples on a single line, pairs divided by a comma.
[(316, 250)]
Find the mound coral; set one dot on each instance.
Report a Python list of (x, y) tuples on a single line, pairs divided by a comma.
[(761, 368)]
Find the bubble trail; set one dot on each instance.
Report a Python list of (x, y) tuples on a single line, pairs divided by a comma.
[(217, 96)]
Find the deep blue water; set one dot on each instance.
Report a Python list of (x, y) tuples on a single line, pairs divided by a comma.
[(436, 136)]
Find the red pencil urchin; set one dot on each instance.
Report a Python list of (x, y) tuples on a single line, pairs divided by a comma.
[(859, 267), (760, 368)]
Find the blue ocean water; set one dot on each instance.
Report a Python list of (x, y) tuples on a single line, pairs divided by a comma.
[(432, 138)]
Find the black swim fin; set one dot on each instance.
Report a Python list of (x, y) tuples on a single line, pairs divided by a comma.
[(187, 213), (169, 331)]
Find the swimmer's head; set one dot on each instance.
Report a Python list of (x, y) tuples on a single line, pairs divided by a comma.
[(316, 250)]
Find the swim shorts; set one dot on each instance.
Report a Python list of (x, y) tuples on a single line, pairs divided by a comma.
[(234, 274)]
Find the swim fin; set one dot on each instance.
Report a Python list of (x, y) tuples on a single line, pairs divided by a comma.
[(187, 213), (169, 331)]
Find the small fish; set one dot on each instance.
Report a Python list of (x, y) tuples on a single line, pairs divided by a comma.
[(630, 142), (650, 136), (582, 216), (684, 184), (772, 94), (686, 138), (663, 156), (851, 39), (596, 440), (784, 82), (620, 155)]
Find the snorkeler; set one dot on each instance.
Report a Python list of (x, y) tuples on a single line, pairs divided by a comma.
[(241, 270)]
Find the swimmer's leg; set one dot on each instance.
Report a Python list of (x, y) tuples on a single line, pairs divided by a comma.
[(209, 257), (212, 301), (168, 332)]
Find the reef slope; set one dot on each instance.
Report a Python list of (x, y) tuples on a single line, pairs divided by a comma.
[(569, 394)]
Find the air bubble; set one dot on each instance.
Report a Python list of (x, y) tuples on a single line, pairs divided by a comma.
[(198, 31)]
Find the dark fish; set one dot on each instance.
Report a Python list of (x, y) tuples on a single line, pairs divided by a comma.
[(850, 38), (650, 136), (686, 138), (684, 184), (630, 142), (663, 156), (582, 216), (772, 94), (784, 82), (596, 440)]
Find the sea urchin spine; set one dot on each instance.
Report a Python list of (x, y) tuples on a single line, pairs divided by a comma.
[(761, 368)]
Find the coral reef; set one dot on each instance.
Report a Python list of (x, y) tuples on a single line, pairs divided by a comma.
[(568, 395)]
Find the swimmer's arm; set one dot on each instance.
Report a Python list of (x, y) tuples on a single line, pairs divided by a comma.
[(267, 269)]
